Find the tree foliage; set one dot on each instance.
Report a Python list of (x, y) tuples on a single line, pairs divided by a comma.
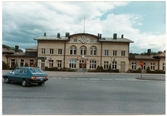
[(10, 48)]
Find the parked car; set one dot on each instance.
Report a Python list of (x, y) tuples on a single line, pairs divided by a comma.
[(26, 76)]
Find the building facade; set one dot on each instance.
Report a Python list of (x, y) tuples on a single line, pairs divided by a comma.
[(83, 50)]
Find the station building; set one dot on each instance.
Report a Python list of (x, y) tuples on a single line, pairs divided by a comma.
[(84, 51)]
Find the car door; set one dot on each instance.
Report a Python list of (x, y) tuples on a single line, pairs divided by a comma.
[(14, 74)]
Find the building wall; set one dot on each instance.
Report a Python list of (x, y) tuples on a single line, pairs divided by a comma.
[(147, 64), (90, 41)]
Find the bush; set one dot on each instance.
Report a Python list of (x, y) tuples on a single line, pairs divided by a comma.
[(135, 71), (5, 65)]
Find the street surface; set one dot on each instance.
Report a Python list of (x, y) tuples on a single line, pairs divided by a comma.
[(86, 94)]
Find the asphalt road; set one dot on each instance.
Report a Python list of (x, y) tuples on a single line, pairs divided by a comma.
[(86, 94)]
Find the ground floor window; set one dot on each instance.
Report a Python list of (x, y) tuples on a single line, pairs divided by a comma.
[(92, 64), (59, 64), (106, 65), (31, 62), (152, 66), (133, 65), (163, 67), (22, 63), (50, 63), (72, 64), (13, 63), (43, 64), (144, 66), (114, 65)]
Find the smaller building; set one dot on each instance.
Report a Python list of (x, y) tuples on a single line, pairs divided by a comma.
[(154, 62), (20, 58)]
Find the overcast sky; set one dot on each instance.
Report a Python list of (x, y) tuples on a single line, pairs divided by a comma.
[(142, 22)]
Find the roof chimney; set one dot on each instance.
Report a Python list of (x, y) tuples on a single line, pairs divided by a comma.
[(58, 35), (99, 35), (67, 34), (149, 51), (122, 36), (114, 36), (45, 34)]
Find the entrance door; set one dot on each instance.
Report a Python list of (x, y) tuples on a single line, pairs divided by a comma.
[(122, 67), (82, 64)]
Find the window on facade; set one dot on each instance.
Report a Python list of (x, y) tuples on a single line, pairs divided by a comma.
[(144, 66), (59, 51), (31, 62), (122, 53), (72, 64), (73, 50), (92, 64), (51, 51), (13, 63), (50, 63), (22, 63), (114, 52), (133, 65), (106, 64), (75, 40), (106, 52), (42, 64), (43, 50), (92, 40), (163, 67), (152, 66), (93, 50), (114, 65), (83, 50), (59, 63)]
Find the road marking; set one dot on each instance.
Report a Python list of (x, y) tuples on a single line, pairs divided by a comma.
[(107, 79), (94, 79), (82, 78), (66, 78)]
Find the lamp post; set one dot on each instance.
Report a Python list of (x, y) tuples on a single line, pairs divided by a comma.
[(111, 63), (82, 62)]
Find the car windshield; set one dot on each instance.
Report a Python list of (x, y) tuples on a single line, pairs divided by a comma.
[(36, 70)]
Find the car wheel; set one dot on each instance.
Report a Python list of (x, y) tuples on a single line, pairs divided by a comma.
[(24, 83), (6, 79)]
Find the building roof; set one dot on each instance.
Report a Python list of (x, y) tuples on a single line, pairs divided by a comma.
[(160, 55), (104, 39), (51, 38), (5, 50), (141, 57), (109, 39)]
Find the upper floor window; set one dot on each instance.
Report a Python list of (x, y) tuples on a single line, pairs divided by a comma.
[(92, 40), (51, 51), (114, 52), (123, 53), (93, 50), (106, 52), (59, 51), (75, 40), (43, 50), (73, 50), (83, 50)]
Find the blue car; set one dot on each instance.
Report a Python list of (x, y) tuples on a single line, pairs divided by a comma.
[(26, 76)]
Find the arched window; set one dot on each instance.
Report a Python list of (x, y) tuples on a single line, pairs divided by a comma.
[(82, 50), (73, 50), (93, 50)]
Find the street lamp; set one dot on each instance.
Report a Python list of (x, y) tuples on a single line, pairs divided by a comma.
[(111, 63)]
